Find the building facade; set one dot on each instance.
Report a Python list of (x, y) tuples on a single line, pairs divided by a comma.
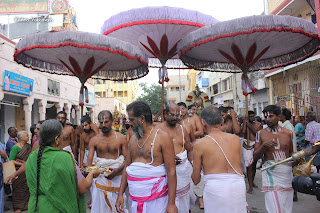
[(177, 92), (297, 86), (59, 16), (108, 103), (125, 91)]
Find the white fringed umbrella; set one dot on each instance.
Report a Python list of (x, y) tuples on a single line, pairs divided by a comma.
[(157, 31), (83, 55), (249, 44)]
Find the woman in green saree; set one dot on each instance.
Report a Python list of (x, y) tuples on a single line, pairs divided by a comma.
[(55, 182)]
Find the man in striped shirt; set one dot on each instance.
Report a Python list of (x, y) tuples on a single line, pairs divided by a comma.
[(313, 134)]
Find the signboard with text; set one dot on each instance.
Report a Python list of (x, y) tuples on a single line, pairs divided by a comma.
[(13, 82), (205, 82), (220, 100), (23, 6)]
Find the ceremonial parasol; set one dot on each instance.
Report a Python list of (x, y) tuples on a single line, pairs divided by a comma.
[(249, 44), (157, 30), (83, 55)]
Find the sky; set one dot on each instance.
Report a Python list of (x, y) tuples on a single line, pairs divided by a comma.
[(92, 14)]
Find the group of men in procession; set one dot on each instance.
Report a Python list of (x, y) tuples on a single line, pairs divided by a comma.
[(165, 164)]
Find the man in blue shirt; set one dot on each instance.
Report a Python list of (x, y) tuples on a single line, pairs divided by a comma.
[(12, 131), (299, 132)]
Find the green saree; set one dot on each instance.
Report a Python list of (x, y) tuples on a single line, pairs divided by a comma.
[(58, 183)]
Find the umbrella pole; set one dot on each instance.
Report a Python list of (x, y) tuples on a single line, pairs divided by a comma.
[(247, 107), (81, 106), (162, 93)]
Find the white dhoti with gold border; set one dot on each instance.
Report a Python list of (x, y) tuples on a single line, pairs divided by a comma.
[(105, 192), (185, 198)]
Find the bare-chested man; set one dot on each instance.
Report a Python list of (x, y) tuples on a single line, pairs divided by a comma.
[(248, 148), (185, 124), (192, 109), (219, 154), (275, 143), (150, 166), (194, 120), (68, 140), (230, 124), (89, 131), (111, 148), (185, 197), (190, 125)]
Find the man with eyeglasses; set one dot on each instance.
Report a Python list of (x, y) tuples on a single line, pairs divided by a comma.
[(185, 197), (150, 172)]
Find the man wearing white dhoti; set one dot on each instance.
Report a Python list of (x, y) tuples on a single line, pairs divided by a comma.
[(104, 191), (275, 143), (111, 148), (68, 138), (185, 198), (248, 148), (219, 154), (150, 166), (89, 131)]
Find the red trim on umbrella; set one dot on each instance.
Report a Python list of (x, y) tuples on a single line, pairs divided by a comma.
[(161, 21), (79, 46), (248, 32)]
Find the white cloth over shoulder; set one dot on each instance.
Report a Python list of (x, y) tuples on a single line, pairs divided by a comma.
[(105, 192), (86, 155), (109, 163), (148, 188), (224, 192), (247, 155), (185, 198), (68, 148)]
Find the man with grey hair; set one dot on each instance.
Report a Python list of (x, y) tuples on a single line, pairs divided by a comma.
[(313, 134), (150, 171), (222, 168)]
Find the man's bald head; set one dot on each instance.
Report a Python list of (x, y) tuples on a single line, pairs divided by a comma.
[(172, 106)]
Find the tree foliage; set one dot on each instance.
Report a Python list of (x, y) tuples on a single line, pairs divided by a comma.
[(152, 95)]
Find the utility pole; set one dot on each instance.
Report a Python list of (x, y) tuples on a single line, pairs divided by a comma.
[(317, 5), (179, 87)]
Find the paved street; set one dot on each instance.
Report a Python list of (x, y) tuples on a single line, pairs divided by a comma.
[(306, 203)]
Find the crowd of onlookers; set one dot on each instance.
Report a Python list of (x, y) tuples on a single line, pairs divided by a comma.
[(17, 149)]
